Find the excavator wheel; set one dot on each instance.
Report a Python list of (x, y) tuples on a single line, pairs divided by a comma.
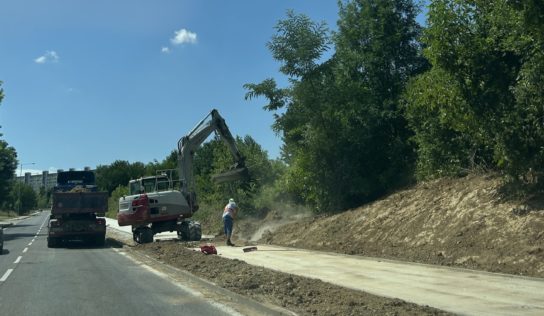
[(183, 231), (190, 231), (195, 231), (143, 235)]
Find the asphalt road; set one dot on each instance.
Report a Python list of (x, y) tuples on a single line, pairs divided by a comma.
[(78, 280)]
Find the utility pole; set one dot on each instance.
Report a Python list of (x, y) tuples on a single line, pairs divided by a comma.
[(21, 184)]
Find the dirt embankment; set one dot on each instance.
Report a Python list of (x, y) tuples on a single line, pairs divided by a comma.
[(463, 222)]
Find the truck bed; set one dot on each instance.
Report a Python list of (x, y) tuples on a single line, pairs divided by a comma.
[(79, 202)]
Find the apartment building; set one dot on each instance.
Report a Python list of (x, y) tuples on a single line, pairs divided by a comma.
[(45, 179)]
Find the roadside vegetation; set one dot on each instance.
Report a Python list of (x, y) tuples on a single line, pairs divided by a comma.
[(16, 198), (8, 165), (377, 105), (384, 102)]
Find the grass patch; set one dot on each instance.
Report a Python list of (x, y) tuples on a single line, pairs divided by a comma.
[(7, 215)]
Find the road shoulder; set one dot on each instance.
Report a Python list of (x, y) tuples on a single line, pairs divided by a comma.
[(123, 244), (271, 288)]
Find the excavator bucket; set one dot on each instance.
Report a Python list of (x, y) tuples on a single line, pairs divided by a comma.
[(231, 175)]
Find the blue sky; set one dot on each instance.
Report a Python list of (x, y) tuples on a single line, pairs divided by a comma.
[(90, 82)]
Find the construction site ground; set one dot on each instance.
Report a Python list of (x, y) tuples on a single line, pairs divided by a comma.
[(461, 223)]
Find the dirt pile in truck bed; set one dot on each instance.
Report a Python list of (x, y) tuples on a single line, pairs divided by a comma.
[(463, 222)]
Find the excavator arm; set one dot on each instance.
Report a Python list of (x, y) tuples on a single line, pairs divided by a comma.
[(188, 145)]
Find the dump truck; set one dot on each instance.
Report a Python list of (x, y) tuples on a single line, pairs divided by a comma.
[(77, 210), (159, 203)]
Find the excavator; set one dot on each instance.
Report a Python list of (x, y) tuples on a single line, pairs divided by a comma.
[(156, 204)]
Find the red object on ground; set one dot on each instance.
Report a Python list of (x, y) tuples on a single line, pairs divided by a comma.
[(208, 249)]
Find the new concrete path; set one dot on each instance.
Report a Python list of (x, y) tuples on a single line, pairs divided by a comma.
[(455, 290)]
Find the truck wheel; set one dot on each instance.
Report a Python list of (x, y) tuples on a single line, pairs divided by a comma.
[(99, 241), (51, 242), (147, 235)]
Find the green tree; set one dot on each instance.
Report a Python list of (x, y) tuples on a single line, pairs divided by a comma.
[(120, 172), (528, 92), (8, 164), (533, 15), (44, 198), (345, 138), (23, 198), (377, 52), (170, 162), (480, 104), (113, 201)]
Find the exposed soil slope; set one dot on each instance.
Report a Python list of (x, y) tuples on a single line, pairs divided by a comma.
[(463, 222)]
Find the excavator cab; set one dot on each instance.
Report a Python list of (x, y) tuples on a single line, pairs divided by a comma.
[(150, 184)]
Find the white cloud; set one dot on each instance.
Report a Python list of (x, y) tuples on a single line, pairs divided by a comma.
[(165, 50), (48, 57), (183, 36), (40, 60)]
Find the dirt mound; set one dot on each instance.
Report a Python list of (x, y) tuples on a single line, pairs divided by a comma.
[(79, 189), (462, 222), (302, 295), (252, 229)]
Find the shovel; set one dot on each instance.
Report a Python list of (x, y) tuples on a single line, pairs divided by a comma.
[(248, 249)]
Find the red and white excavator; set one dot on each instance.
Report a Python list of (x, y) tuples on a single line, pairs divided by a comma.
[(157, 204)]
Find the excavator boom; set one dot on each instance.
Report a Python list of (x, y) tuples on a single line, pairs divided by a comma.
[(188, 144)]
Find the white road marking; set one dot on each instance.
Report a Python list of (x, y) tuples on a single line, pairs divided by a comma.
[(6, 275), (30, 243), (18, 259), (25, 250), (190, 290), (158, 273)]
